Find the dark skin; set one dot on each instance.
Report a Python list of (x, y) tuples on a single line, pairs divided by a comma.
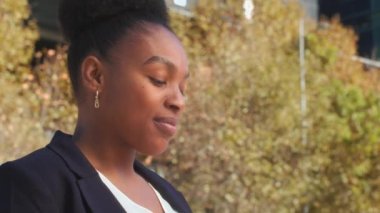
[(141, 93)]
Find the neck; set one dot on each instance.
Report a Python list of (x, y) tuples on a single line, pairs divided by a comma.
[(105, 152)]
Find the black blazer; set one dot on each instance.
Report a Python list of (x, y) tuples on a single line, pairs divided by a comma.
[(58, 178)]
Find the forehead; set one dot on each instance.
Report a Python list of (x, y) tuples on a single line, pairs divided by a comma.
[(151, 40)]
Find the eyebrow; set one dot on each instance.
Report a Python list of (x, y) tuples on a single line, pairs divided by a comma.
[(160, 59)]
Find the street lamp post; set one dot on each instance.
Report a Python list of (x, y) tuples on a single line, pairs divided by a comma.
[(303, 100)]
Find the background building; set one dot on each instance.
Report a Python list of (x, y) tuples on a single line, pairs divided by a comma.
[(183, 6), (45, 11), (363, 16)]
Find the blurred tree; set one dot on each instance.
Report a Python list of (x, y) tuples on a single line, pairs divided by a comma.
[(51, 83), (33, 100), (344, 125), (17, 37), (19, 130), (239, 149)]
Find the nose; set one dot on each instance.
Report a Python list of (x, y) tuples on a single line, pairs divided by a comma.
[(176, 101)]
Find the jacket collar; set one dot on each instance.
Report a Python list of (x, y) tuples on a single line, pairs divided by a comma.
[(63, 145), (97, 195)]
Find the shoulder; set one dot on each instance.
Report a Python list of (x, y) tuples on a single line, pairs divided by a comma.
[(38, 163), (22, 186), (41, 169)]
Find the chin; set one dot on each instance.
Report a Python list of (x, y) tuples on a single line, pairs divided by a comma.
[(157, 147)]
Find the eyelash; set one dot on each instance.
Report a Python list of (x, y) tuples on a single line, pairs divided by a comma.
[(183, 93), (157, 82)]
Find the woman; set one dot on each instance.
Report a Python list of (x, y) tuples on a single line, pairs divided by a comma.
[(128, 71)]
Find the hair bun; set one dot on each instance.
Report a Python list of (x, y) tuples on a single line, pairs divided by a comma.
[(76, 15)]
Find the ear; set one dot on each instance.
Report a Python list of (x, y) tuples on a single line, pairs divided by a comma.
[(92, 73)]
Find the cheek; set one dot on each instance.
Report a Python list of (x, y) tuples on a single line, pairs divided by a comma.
[(134, 99), (132, 106)]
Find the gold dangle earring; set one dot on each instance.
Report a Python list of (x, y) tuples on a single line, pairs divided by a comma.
[(97, 105)]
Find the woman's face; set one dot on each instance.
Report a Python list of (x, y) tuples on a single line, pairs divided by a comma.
[(144, 85)]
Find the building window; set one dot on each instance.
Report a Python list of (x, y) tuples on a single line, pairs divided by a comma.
[(181, 3)]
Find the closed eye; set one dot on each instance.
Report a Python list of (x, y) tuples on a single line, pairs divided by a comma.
[(157, 82)]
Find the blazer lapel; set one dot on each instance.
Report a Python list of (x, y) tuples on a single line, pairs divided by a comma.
[(98, 197)]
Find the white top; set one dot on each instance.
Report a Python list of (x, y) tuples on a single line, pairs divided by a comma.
[(128, 204)]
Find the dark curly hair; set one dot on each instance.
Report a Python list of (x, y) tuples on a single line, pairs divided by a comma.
[(96, 25)]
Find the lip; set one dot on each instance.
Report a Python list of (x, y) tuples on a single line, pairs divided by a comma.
[(166, 125)]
